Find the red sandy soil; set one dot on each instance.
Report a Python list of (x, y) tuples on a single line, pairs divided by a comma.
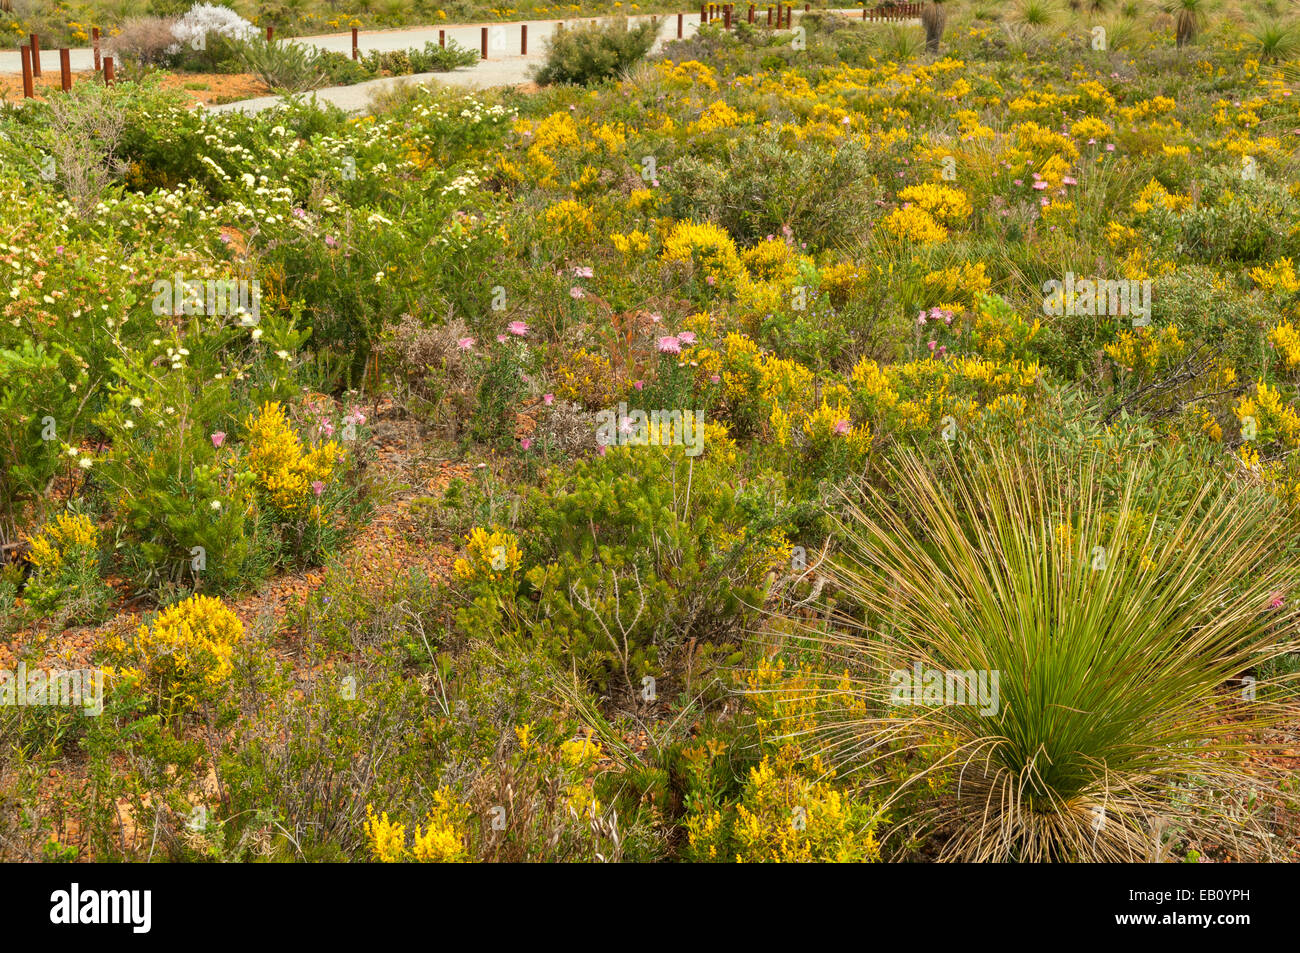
[(206, 88)]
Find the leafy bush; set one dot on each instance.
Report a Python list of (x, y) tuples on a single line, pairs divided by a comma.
[(439, 59), (594, 52), (38, 409), (144, 41)]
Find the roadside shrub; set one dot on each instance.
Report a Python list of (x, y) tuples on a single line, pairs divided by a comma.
[(144, 41), (594, 52), (284, 66)]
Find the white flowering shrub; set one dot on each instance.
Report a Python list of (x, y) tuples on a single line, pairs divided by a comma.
[(204, 19)]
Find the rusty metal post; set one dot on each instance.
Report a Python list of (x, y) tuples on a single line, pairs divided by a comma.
[(28, 91)]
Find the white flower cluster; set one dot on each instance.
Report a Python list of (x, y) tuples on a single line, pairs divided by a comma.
[(205, 19)]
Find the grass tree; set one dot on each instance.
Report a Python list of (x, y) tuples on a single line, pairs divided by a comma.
[(934, 18), (1189, 17), (1119, 611)]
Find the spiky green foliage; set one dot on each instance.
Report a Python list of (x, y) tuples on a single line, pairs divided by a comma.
[(1118, 608)]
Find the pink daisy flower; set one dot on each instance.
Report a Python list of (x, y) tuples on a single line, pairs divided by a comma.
[(517, 328), (670, 345)]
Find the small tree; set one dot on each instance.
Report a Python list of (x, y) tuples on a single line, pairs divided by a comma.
[(1189, 16), (934, 18)]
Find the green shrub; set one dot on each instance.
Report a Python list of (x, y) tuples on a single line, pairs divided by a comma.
[(285, 66), (594, 52)]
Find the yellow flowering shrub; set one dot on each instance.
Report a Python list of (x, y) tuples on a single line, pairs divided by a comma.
[(791, 809), (585, 378), (914, 224), (717, 116), (571, 221), (1090, 127), (1155, 195), (65, 538), (1286, 341), (687, 74), (185, 653), (958, 284), (1279, 277), (442, 840), (633, 244), (770, 261), (1145, 351), (64, 557), (706, 246), (490, 555), (1272, 416), (1043, 141), (288, 474), (946, 205)]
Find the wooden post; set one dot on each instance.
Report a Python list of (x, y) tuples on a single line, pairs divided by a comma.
[(484, 42), (679, 26), (726, 18), (94, 39), (523, 39), (751, 14), (442, 38), (108, 70), (36, 55), (28, 91), (704, 14), (270, 33), (65, 69), (356, 51), (769, 18)]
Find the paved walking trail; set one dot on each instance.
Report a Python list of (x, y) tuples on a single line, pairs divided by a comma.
[(504, 66)]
